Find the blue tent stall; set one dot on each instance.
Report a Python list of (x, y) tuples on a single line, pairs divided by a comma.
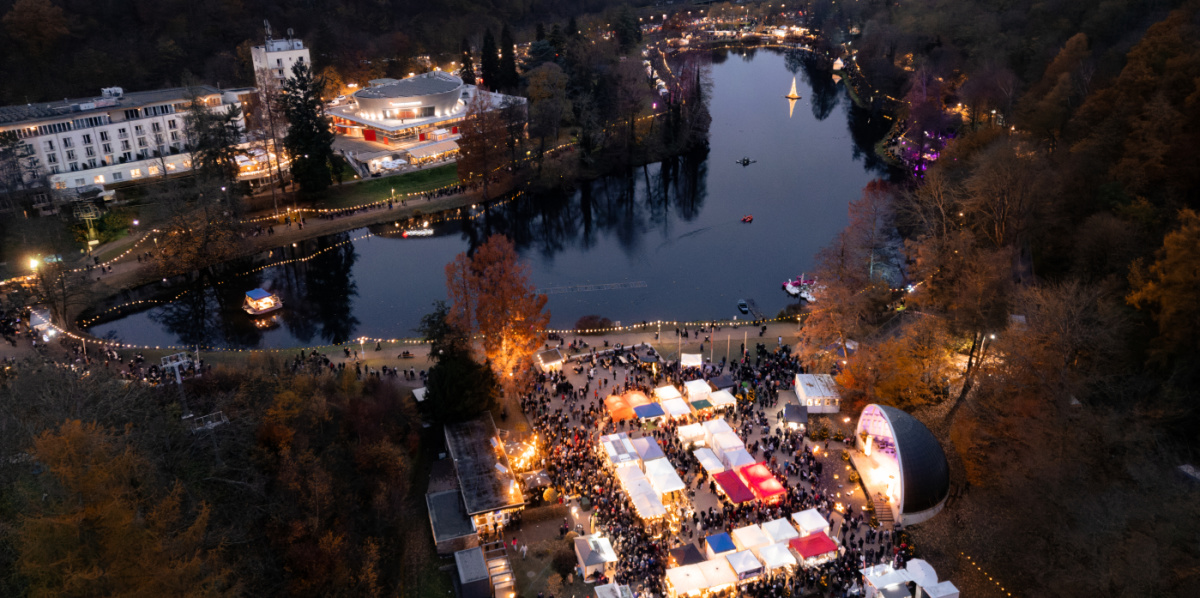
[(650, 411)]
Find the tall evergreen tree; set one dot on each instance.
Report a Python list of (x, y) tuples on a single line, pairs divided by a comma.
[(572, 27), (212, 138), (467, 72), (309, 139), (629, 31), (539, 32), (509, 78), (489, 61)]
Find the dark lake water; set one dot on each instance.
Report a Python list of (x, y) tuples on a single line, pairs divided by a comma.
[(673, 231)]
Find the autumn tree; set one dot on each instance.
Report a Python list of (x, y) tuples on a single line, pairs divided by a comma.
[(1169, 289), (63, 289), (870, 224), (483, 131), (36, 24), (101, 529), (493, 297), (548, 103), (197, 230)]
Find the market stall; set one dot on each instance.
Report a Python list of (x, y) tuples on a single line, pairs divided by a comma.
[(780, 530), (795, 416), (663, 477), (762, 481), (718, 574), (810, 522), (618, 408), (690, 434), (663, 393), (702, 406), (687, 580), (744, 564), (691, 360), (716, 427), (676, 407), (612, 590), (687, 554), (697, 389), (635, 398), (619, 449), (649, 411), (776, 556), (709, 461), (725, 442), (733, 487), (749, 537), (737, 458), (717, 545), (814, 549), (647, 448), (594, 553), (722, 398)]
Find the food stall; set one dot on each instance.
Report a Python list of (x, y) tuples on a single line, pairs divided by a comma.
[(709, 461), (810, 522)]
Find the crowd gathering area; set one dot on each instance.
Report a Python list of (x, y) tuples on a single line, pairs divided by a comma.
[(685, 477)]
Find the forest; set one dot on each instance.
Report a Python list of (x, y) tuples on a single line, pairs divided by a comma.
[(50, 49)]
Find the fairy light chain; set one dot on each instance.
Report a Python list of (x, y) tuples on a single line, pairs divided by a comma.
[(985, 573)]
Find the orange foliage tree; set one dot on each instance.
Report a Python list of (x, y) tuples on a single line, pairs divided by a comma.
[(491, 296), (101, 529)]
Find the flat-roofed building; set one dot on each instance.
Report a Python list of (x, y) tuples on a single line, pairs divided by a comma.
[(278, 56)]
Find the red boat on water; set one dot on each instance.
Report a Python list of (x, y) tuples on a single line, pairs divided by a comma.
[(800, 287), (748, 218)]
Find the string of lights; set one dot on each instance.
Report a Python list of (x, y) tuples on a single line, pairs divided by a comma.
[(986, 574)]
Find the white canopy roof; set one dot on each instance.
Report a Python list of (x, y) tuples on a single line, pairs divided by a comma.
[(709, 461), (690, 433), (744, 563), (776, 555), (686, 579), (691, 360), (646, 502), (727, 441), (751, 536), (697, 389), (780, 530), (737, 457), (612, 590), (717, 573), (663, 393), (722, 398), (663, 477), (922, 572), (676, 407), (620, 450), (419, 394), (594, 550), (810, 522), (943, 589), (717, 426)]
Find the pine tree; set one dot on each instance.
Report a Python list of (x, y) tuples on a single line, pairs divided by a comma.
[(509, 78), (467, 72), (309, 139), (572, 28), (540, 32), (489, 62)]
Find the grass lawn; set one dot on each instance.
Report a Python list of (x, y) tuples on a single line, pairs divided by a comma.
[(372, 190)]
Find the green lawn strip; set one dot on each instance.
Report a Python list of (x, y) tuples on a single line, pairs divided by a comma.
[(372, 190)]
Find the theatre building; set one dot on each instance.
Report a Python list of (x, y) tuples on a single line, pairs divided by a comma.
[(396, 111)]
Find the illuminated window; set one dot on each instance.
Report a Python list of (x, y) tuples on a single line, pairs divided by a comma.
[(98, 179), (136, 173), (153, 170)]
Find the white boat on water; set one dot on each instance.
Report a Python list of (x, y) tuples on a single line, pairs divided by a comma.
[(261, 301), (800, 287)]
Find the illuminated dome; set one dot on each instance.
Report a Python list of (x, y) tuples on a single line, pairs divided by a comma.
[(902, 449)]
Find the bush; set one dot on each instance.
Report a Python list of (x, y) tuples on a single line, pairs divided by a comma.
[(854, 477), (564, 560), (821, 433), (846, 456), (592, 322), (839, 436)]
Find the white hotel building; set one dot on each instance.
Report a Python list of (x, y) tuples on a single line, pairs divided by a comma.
[(113, 138), (278, 56)]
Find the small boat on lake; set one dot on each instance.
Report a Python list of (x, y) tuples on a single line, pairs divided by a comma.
[(745, 161), (800, 287), (743, 306), (261, 301), (748, 218)]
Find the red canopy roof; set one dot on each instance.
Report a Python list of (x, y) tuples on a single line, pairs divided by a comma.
[(760, 479), (813, 545), (733, 486)]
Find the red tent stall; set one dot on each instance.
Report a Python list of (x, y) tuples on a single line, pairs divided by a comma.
[(762, 482), (733, 487), (618, 408), (813, 549)]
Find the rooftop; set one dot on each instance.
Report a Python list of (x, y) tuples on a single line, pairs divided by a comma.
[(73, 108), (484, 474), (430, 83), (447, 515), (471, 565)]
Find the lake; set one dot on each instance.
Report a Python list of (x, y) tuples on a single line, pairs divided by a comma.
[(661, 242)]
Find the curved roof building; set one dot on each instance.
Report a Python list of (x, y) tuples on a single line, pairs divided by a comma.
[(432, 94), (904, 461)]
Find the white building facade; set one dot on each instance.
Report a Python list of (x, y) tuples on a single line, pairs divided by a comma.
[(114, 138), (278, 56)]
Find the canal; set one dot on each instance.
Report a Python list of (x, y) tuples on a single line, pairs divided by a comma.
[(662, 242)]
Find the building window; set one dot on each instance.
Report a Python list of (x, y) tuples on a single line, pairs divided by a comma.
[(125, 145), (170, 167), (141, 142), (153, 170), (55, 169), (91, 162), (139, 130), (278, 62), (70, 154), (103, 135), (280, 72), (90, 151), (52, 158), (132, 114), (136, 173), (158, 139), (156, 127), (98, 179), (107, 147), (49, 145), (116, 176), (171, 124), (127, 156), (78, 182), (87, 139), (122, 133), (174, 135), (68, 142), (60, 184)]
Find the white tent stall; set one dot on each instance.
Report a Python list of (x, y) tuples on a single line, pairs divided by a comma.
[(722, 398), (697, 389), (676, 407), (726, 442), (718, 574), (749, 537), (737, 458), (780, 530), (663, 477), (810, 522), (663, 393), (775, 556), (687, 580), (691, 360), (691, 434), (716, 427), (619, 450), (745, 564), (709, 461)]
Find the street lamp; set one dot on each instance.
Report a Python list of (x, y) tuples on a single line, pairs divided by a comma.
[(33, 263)]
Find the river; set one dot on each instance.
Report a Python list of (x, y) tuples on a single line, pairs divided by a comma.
[(662, 242)]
